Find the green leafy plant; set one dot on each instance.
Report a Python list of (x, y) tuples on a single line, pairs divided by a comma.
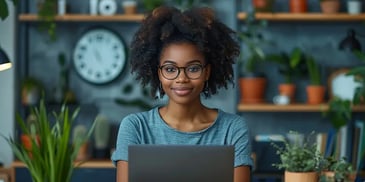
[(51, 155), (4, 10), (314, 71), (359, 74), (47, 11), (339, 112), (295, 157), (291, 64), (341, 169), (253, 39), (149, 5)]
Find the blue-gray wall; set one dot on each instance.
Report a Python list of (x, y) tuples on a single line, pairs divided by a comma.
[(319, 38)]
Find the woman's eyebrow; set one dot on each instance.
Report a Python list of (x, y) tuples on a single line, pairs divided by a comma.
[(190, 62)]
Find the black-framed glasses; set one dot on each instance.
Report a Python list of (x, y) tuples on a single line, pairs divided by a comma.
[(171, 72)]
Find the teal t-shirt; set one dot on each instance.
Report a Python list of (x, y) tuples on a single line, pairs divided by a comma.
[(149, 128)]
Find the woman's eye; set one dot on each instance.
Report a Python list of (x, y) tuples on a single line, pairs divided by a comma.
[(194, 68), (170, 69)]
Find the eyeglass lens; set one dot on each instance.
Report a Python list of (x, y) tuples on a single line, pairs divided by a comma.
[(171, 72)]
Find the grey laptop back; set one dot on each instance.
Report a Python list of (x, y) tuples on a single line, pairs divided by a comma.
[(180, 163)]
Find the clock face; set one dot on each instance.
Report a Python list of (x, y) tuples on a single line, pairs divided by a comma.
[(99, 56)]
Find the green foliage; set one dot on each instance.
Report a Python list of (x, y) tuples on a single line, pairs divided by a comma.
[(314, 71), (254, 40), (4, 11), (298, 158), (341, 168), (339, 112), (51, 157), (149, 5), (291, 64), (47, 11), (359, 74), (30, 83)]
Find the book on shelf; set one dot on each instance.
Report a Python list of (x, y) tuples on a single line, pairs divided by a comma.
[(359, 124)]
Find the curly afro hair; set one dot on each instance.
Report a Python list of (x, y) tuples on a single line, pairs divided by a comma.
[(199, 26)]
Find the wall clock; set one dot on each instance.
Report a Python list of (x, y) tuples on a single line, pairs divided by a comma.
[(99, 55)]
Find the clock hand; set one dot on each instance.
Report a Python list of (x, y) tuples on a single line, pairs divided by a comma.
[(97, 55)]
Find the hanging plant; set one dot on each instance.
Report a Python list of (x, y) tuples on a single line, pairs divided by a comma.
[(4, 10), (47, 11)]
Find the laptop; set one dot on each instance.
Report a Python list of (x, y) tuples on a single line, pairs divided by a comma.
[(180, 163)]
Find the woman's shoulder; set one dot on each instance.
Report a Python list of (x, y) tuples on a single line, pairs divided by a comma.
[(143, 116)]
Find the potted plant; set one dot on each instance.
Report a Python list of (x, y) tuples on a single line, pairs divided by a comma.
[(149, 5), (300, 161), (252, 82), (336, 170), (47, 11), (31, 89), (315, 90), (330, 6), (263, 5), (52, 158), (291, 66)]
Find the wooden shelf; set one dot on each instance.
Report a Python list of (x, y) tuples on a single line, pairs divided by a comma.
[(85, 18), (87, 164), (304, 16), (290, 108)]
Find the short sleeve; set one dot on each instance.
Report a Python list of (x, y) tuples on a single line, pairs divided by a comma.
[(241, 141), (127, 135)]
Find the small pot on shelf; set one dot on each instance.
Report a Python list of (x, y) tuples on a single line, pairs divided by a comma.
[(330, 6)]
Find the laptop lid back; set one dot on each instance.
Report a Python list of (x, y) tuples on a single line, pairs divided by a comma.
[(175, 163)]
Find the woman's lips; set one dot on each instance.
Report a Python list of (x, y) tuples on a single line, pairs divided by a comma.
[(181, 91)]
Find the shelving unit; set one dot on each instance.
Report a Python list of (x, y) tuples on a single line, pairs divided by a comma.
[(304, 16), (85, 18), (290, 108)]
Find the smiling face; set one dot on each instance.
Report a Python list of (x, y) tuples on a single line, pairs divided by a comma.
[(182, 89)]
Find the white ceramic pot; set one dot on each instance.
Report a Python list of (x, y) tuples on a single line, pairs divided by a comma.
[(354, 7)]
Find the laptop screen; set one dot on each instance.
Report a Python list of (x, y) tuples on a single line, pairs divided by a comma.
[(175, 163)]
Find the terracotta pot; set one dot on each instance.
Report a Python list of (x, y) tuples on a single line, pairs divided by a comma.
[(289, 90), (298, 6), (252, 89), (315, 94), (263, 5), (26, 141), (330, 6), (300, 176), (83, 153), (329, 176)]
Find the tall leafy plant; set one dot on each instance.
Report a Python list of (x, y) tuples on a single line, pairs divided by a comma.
[(291, 65), (251, 36), (51, 155), (339, 112), (314, 71)]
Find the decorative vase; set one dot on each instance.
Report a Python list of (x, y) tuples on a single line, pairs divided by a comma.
[(298, 6), (330, 6), (315, 94)]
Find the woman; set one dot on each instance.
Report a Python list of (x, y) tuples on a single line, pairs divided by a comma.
[(184, 55)]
